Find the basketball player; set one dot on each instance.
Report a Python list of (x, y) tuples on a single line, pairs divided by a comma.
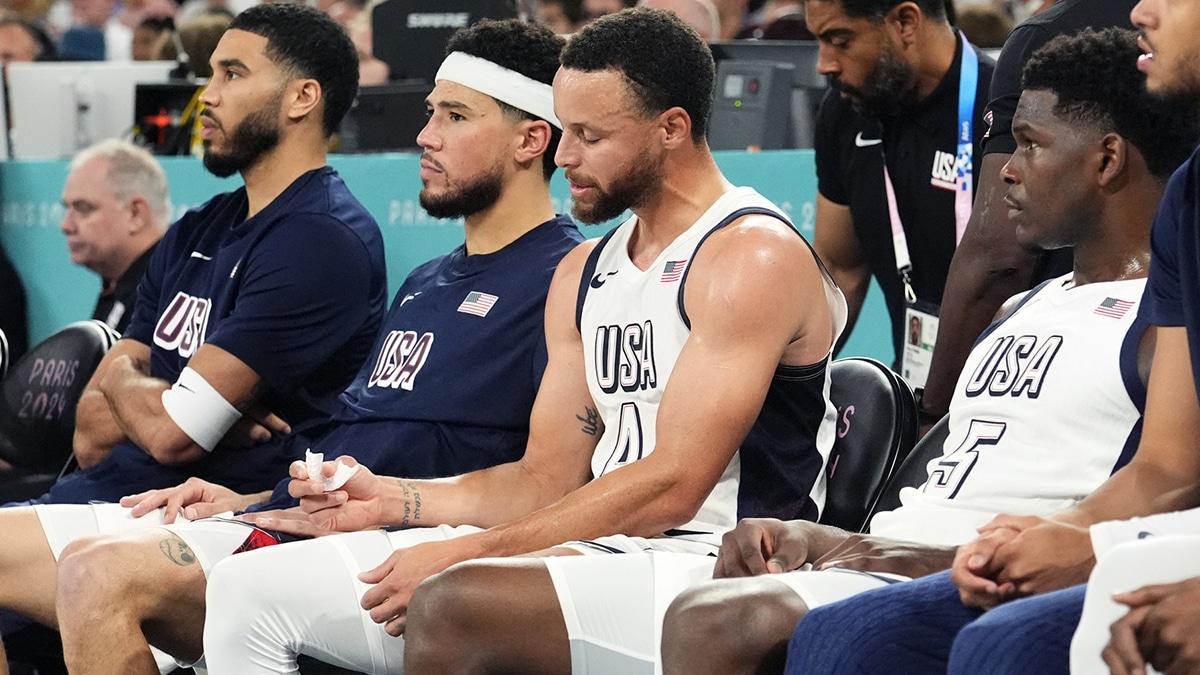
[(687, 372), (1028, 555), (1072, 343), (439, 398), (265, 299)]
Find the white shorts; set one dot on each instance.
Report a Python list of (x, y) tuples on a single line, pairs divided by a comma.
[(822, 587), (614, 605), (211, 539)]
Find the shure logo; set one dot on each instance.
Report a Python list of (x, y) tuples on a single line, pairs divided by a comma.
[(439, 20)]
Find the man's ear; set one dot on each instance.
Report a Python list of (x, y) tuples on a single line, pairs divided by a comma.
[(675, 127), (1114, 155), (905, 21), (303, 96), (534, 142), (140, 216)]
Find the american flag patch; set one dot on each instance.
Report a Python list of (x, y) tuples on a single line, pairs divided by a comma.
[(673, 270), (478, 303), (1113, 308)]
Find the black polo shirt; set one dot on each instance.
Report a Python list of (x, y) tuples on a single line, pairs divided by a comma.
[(916, 141), (115, 306)]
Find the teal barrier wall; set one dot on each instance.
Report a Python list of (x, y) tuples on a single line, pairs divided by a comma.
[(60, 292)]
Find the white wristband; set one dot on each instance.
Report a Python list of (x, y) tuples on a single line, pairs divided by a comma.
[(199, 410)]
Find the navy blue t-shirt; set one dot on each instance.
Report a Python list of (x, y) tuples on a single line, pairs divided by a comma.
[(1172, 296), (296, 292), (456, 367)]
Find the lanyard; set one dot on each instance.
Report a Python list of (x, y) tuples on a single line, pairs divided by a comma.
[(968, 80)]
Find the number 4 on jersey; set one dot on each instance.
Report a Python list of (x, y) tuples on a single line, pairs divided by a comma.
[(629, 437), (948, 476)]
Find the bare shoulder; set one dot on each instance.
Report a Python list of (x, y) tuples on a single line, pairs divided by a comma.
[(759, 274), (761, 244)]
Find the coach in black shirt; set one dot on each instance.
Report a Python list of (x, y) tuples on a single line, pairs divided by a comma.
[(896, 72)]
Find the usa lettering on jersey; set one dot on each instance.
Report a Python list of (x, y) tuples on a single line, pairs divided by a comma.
[(1015, 366), (403, 355), (183, 326), (944, 173), (625, 357)]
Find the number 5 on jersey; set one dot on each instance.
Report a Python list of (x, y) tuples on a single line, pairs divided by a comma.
[(950, 473)]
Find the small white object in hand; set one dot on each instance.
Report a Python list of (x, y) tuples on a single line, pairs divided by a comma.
[(342, 474)]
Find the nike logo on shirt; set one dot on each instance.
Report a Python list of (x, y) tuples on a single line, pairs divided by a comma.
[(198, 254), (866, 142), (600, 278)]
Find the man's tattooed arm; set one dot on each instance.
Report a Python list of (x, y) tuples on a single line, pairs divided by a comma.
[(591, 423), (412, 507)]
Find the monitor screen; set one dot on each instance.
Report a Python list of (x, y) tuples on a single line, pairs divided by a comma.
[(386, 118), (61, 108), (802, 54), (410, 35)]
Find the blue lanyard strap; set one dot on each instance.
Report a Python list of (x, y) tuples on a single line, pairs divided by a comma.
[(964, 188)]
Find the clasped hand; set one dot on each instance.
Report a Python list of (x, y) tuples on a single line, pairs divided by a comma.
[(1017, 556)]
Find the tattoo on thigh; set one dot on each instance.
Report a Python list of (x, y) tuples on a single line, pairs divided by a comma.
[(591, 423), (177, 551)]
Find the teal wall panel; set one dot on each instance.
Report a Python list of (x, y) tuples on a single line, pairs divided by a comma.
[(387, 184)]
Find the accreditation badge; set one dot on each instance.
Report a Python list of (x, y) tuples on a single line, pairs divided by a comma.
[(920, 334)]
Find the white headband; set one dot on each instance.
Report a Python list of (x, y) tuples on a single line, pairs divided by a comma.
[(502, 84)]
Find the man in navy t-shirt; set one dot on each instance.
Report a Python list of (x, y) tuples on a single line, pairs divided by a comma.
[(256, 309), (447, 390)]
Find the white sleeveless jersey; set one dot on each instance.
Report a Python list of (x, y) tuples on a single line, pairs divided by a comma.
[(634, 324), (1048, 406)]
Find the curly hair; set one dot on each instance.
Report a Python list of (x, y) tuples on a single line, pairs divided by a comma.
[(664, 61), (1094, 74), (528, 49), (308, 42)]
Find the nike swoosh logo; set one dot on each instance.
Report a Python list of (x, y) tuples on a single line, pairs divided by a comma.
[(866, 142), (409, 297), (198, 254), (600, 278)]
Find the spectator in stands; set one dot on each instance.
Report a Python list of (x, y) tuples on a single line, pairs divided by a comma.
[(23, 41), (198, 37), (116, 210), (985, 25), (150, 35), (96, 34), (594, 9), (561, 16), (701, 15)]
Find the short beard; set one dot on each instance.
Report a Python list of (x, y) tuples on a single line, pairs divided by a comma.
[(630, 191), (465, 200), (888, 87), (254, 136)]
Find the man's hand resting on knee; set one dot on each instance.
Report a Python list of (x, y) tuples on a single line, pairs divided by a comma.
[(194, 499)]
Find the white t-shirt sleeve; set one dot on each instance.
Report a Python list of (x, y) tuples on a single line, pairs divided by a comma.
[(1108, 534)]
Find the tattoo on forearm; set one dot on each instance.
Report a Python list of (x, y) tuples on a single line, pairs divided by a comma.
[(412, 507), (177, 551), (591, 423)]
